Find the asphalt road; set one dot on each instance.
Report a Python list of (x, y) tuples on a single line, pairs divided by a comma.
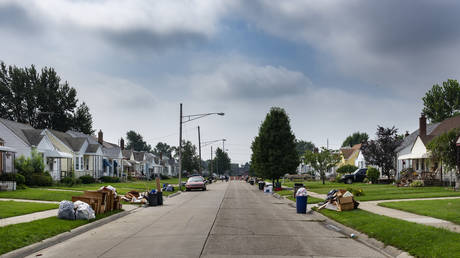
[(230, 219)]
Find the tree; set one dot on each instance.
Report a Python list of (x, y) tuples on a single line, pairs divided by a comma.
[(274, 151), (322, 161), (443, 102), (302, 146), (40, 99), (136, 142), (190, 159), (355, 138), (83, 120), (221, 162), (444, 149), (163, 148), (382, 151), (372, 174)]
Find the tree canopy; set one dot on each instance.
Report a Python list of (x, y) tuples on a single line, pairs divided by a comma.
[(355, 138), (443, 148), (322, 161), (41, 99), (381, 152), (302, 146), (274, 152), (443, 102), (136, 142), (164, 149), (190, 159), (221, 162)]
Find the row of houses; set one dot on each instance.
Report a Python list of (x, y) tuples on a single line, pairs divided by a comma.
[(412, 154), (66, 152)]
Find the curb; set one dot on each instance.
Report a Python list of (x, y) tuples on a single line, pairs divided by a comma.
[(373, 243), (174, 194), (30, 249)]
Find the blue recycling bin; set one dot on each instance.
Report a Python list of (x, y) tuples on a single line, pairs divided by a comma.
[(301, 204)]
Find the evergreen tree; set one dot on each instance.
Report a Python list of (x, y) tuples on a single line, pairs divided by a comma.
[(274, 151), (302, 146), (136, 142), (221, 162), (355, 138), (163, 149), (83, 121), (190, 159)]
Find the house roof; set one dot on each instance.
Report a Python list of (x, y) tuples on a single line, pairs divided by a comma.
[(92, 148), (34, 136), (447, 125), (75, 143), (411, 138), (108, 149), (138, 155), (17, 129), (347, 152), (126, 154)]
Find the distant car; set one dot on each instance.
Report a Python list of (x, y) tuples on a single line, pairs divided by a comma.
[(195, 182), (357, 176)]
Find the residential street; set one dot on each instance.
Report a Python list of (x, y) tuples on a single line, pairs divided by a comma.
[(230, 219)]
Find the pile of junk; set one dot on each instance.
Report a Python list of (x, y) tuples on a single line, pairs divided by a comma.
[(339, 200)]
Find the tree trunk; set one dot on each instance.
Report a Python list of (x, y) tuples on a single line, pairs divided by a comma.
[(323, 175), (273, 182)]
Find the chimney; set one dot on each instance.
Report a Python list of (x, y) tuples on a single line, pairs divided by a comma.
[(407, 134), (422, 127), (122, 144), (100, 137)]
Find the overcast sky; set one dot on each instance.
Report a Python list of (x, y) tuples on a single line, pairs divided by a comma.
[(336, 66)]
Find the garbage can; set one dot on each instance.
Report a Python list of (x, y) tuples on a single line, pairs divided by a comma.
[(152, 198), (261, 185), (251, 182), (277, 186), (159, 198), (301, 204), (296, 187)]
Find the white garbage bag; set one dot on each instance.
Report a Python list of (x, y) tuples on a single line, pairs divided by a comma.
[(111, 188), (301, 192), (66, 210), (83, 211)]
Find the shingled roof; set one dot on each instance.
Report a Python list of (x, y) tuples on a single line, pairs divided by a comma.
[(75, 143), (411, 138), (17, 129)]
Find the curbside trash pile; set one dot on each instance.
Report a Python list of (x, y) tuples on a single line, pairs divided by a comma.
[(75, 210), (101, 201), (339, 200)]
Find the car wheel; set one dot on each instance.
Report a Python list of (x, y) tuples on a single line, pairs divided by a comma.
[(204, 188), (349, 181), (187, 189)]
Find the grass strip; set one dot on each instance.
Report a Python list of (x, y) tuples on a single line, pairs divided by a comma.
[(380, 191), (416, 239), (39, 194), (442, 209), (15, 236), (12, 208)]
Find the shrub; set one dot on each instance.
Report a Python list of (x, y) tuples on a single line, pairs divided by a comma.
[(163, 176), (373, 174), (40, 180), (130, 178), (70, 181), (109, 179), (87, 179), (356, 192), (366, 180), (417, 183), (346, 169), (8, 177)]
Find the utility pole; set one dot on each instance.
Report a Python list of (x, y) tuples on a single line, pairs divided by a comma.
[(199, 150), (211, 161), (180, 149)]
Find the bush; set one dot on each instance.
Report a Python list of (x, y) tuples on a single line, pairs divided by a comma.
[(70, 181), (87, 179), (373, 174), (163, 176), (366, 180), (356, 192), (417, 183), (346, 169), (40, 180), (8, 177), (109, 179)]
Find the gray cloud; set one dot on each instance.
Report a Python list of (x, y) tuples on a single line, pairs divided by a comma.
[(15, 18)]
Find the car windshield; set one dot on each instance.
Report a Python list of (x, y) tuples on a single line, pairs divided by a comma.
[(356, 171), (195, 179)]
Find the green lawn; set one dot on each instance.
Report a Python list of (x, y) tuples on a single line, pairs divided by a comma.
[(442, 209), (12, 208), (416, 239), (39, 194), (380, 192), (290, 195), (16, 236), (122, 187)]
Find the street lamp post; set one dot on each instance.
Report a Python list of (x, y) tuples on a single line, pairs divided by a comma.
[(181, 121), (199, 150)]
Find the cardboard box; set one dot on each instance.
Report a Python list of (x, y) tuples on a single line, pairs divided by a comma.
[(345, 200), (345, 203)]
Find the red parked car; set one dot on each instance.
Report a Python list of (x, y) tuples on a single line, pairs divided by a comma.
[(195, 182)]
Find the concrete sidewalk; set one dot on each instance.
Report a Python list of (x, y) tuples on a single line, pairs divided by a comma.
[(372, 206)]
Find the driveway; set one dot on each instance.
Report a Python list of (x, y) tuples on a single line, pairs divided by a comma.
[(230, 219)]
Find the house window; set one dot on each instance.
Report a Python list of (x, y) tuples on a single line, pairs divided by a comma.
[(417, 164), (81, 163), (87, 163), (423, 164), (77, 163)]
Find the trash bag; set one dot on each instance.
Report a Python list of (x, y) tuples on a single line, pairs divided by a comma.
[(301, 192), (170, 188), (83, 211), (330, 195), (66, 210)]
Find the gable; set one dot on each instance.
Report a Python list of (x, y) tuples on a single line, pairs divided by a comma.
[(418, 147), (45, 144)]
